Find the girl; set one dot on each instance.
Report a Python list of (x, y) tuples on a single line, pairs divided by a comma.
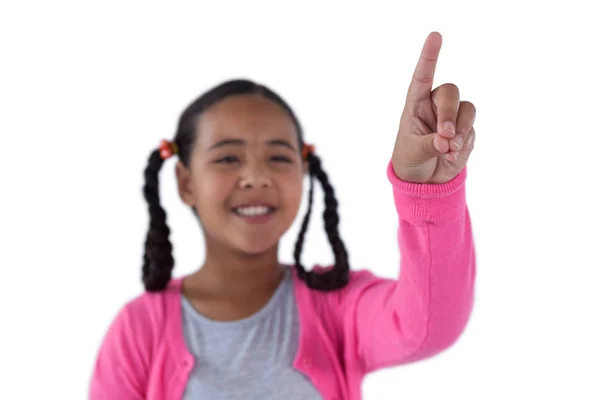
[(246, 326)]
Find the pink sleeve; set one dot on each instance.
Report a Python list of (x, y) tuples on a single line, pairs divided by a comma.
[(392, 322), (122, 363)]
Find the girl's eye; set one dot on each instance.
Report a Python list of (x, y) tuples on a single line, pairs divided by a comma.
[(227, 160), (281, 159), (234, 159)]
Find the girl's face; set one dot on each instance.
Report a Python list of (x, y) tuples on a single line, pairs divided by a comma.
[(246, 173)]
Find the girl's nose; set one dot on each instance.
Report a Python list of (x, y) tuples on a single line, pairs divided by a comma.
[(255, 178)]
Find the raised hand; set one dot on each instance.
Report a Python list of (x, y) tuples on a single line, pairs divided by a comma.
[(436, 134)]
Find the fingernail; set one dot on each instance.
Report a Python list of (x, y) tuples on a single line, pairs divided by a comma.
[(452, 156), (449, 126), (470, 140), (458, 141)]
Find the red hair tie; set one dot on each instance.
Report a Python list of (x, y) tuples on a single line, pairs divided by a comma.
[(167, 149), (306, 150)]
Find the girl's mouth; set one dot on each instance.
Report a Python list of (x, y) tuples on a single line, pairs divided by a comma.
[(255, 214)]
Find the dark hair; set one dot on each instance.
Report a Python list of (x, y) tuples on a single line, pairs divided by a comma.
[(158, 258)]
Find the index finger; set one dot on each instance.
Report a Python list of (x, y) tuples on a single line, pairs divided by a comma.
[(422, 80)]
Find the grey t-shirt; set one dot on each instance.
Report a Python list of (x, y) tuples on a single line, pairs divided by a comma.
[(247, 359)]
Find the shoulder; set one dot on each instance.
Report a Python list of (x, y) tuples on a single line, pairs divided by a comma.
[(358, 277), (126, 354), (333, 308), (143, 319), (360, 280), (151, 310)]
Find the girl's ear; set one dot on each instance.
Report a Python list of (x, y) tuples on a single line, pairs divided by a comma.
[(305, 167), (184, 184)]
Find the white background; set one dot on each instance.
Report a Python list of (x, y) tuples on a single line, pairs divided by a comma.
[(88, 89)]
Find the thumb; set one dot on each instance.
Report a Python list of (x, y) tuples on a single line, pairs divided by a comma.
[(430, 146)]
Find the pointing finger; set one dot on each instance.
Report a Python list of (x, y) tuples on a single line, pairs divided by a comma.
[(422, 80)]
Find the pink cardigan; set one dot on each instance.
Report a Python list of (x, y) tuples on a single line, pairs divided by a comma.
[(370, 324)]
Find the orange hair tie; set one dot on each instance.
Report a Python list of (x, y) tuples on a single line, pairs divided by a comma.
[(167, 149), (306, 150)]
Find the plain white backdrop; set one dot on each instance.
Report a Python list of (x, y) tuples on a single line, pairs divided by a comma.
[(87, 90)]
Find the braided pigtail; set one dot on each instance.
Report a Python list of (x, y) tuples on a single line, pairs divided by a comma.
[(158, 258), (338, 276)]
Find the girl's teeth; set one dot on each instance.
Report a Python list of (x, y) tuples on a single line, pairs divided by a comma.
[(252, 211)]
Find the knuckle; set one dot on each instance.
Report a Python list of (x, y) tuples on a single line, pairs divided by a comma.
[(466, 117), (424, 79), (451, 89), (462, 129), (467, 105), (447, 94)]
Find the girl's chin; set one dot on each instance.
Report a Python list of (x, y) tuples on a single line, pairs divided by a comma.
[(255, 248)]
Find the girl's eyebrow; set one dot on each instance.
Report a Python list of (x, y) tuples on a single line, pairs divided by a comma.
[(240, 142)]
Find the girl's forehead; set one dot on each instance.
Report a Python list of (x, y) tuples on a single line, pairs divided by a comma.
[(249, 116)]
